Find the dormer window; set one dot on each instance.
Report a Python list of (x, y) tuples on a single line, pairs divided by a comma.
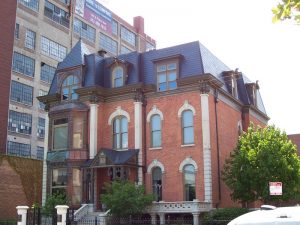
[(252, 92), (167, 74), (230, 78), (118, 76), (69, 85)]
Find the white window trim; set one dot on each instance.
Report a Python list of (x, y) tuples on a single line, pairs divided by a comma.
[(187, 161), (186, 106), (153, 112), (155, 163), (118, 112)]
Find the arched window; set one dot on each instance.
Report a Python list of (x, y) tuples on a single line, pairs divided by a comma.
[(118, 76), (187, 127), (69, 85), (189, 182), (157, 183), (120, 132), (155, 131)]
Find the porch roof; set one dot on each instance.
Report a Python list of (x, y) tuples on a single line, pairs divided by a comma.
[(106, 157)]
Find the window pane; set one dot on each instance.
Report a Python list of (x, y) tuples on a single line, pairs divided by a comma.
[(172, 85), (21, 93), (53, 49), (155, 122), (60, 140), (172, 76), (108, 44), (162, 78), (156, 139), (18, 149), (124, 140), (118, 82), (84, 30), (23, 64), (188, 135), (77, 133), (157, 183), (56, 14), (127, 36), (189, 182), (124, 125), (20, 122), (47, 73), (187, 118), (59, 177), (163, 86), (117, 125), (32, 4), (114, 27), (172, 66), (161, 68)]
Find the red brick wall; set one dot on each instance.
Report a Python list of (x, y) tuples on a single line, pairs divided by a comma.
[(11, 191), (7, 27), (172, 153), (228, 119)]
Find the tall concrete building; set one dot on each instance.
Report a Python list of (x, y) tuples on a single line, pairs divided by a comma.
[(44, 33)]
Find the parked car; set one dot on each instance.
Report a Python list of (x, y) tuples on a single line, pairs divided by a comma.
[(270, 215)]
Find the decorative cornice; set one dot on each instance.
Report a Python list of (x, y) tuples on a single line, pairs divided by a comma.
[(188, 160), (208, 79), (177, 56), (155, 163), (186, 106), (154, 111), (118, 112)]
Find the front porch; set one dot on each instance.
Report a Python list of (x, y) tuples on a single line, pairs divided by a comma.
[(162, 208)]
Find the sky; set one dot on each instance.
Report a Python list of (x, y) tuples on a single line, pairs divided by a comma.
[(238, 32)]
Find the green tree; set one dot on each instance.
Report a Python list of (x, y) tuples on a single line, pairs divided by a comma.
[(124, 198), (287, 9), (54, 200), (262, 155)]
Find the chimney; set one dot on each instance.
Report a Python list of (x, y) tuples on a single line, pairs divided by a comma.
[(102, 52), (138, 23)]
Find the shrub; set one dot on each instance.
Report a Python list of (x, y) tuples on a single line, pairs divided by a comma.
[(223, 215), (52, 201)]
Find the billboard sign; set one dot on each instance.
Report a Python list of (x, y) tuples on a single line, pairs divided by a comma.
[(95, 13), (275, 188)]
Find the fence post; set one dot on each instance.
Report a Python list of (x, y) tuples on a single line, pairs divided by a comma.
[(61, 214), (22, 214), (102, 219)]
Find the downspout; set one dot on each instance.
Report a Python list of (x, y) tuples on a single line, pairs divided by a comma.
[(144, 141), (218, 147)]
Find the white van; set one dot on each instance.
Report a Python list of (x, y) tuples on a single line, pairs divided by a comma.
[(270, 215)]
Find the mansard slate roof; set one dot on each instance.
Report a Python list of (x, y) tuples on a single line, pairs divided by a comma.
[(195, 59)]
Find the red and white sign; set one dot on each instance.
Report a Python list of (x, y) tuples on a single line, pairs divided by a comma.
[(275, 188)]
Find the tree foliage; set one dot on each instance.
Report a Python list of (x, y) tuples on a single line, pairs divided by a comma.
[(124, 198), (261, 156), (287, 9), (52, 201)]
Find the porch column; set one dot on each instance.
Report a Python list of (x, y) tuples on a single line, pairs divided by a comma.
[(196, 218), (153, 218), (206, 146), (22, 212), (93, 129), (138, 137), (162, 218), (44, 181)]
